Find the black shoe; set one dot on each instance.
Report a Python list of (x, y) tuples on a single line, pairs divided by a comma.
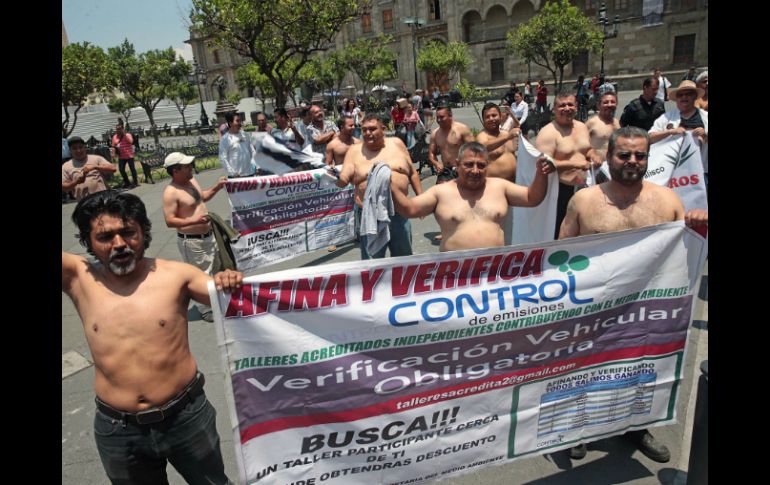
[(578, 452), (649, 446)]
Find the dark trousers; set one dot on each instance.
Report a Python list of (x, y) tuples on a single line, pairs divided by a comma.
[(122, 167), (137, 454), (565, 194)]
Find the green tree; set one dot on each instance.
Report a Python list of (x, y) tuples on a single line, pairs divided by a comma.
[(146, 78), (182, 94), (444, 61), (371, 60), (469, 93), (273, 32), (553, 37), (250, 77), (84, 71), (122, 106)]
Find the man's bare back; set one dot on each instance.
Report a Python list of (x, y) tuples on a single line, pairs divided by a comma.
[(569, 146), (597, 210), (600, 132), (136, 327)]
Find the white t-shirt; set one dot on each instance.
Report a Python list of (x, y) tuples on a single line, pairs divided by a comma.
[(663, 84)]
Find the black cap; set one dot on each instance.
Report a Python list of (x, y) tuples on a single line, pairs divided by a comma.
[(75, 139)]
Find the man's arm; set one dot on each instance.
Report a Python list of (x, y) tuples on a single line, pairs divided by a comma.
[(68, 184), (659, 130), (69, 269), (102, 165), (526, 113), (325, 138), (494, 143), (432, 149), (197, 282), (414, 177), (417, 206), (206, 195), (546, 143), (348, 168), (466, 134), (297, 134), (329, 159), (170, 206)]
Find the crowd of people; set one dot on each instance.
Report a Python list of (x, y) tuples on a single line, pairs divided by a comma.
[(134, 308)]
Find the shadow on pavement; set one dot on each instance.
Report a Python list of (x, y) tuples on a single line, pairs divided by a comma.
[(617, 467), (341, 249)]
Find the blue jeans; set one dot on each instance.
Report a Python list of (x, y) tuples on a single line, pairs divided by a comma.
[(122, 167), (137, 454), (400, 243)]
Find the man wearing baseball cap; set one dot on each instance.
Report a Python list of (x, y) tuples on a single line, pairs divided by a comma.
[(184, 208), (685, 117), (84, 174)]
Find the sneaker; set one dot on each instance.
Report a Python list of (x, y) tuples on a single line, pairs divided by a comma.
[(649, 446), (208, 316), (578, 452)]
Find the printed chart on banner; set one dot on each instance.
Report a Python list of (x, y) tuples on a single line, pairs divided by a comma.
[(595, 404)]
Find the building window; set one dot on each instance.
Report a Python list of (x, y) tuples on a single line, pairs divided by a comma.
[(652, 12), (366, 23), (580, 64), (684, 49), (216, 56), (621, 4), (472, 26), (498, 69), (387, 19), (434, 10), (592, 6)]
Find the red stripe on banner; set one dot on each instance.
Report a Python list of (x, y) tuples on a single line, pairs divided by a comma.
[(412, 401), (286, 222)]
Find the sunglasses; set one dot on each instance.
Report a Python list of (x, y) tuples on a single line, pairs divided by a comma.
[(625, 156)]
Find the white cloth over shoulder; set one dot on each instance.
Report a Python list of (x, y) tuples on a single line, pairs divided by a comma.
[(533, 224), (377, 208), (280, 157)]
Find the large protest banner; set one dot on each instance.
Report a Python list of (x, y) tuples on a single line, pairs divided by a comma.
[(422, 367), (279, 217)]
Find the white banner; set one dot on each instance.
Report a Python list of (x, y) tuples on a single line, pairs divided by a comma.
[(281, 217), (533, 224), (410, 369)]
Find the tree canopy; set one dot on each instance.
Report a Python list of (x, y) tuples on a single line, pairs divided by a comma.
[(371, 60), (146, 78), (554, 37), (84, 70), (274, 32), (444, 61)]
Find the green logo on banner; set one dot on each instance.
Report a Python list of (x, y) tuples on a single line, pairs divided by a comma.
[(563, 261)]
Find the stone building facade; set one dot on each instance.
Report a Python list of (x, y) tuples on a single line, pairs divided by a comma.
[(670, 34)]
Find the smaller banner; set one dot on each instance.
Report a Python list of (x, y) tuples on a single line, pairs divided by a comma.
[(280, 217)]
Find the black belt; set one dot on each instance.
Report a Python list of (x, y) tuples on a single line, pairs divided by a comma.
[(157, 414), (193, 236)]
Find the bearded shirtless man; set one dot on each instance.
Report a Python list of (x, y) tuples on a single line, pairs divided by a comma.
[(338, 147), (471, 208), (150, 403), (360, 160), (446, 141)]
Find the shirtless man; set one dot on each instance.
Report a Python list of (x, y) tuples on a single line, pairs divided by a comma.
[(336, 150), (470, 209), (501, 145), (338, 147), (446, 140), (185, 210), (601, 126), (625, 202), (150, 401), (359, 161), (568, 143)]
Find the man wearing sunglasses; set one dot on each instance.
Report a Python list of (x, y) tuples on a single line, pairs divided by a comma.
[(625, 202), (470, 209)]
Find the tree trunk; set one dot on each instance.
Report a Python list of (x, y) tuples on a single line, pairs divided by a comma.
[(153, 128)]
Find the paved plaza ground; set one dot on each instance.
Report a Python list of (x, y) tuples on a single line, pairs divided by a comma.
[(610, 461)]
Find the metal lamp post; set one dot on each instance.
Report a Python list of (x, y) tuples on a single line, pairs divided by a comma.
[(415, 23), (200, 78), (607, 35)]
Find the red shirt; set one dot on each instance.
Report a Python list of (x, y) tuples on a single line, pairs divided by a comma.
[(125, 146), (542, 94), (397, 115)]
